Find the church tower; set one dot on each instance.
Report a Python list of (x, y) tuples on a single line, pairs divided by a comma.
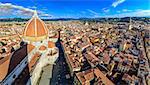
[(130, 25)]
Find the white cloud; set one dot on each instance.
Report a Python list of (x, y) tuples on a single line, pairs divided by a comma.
[(32, 7), (11, 9), (118, 11), (46, 15), (93, 12), (106, 10), (137, 13), (117, 2), (126, 10), (11, 6)]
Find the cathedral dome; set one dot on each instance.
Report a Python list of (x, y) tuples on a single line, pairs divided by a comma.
[(35, 30)]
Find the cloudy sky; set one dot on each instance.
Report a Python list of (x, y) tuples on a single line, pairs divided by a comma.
[(74, 8)]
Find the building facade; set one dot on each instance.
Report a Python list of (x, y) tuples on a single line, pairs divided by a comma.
[(24, 65)]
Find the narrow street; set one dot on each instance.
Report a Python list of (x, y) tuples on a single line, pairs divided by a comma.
[(60, 69)]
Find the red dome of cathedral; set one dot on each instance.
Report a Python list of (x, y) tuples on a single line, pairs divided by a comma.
[(35, 30)]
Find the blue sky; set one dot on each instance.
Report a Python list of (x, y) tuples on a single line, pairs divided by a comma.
[(74, 8)]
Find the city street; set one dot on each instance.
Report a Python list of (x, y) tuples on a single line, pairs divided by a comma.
[(60, 69)]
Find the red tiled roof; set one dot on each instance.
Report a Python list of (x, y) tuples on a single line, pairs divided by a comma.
[(51, 44), (35, 28), (30, 47), (4, 69), (42, 48), (33, 61), (85, 76), (127, 77), (89, 76), (104, 79), (10, 62), (73, 62)]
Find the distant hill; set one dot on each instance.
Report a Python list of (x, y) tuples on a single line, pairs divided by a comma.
[(125, 19), (13, 19)]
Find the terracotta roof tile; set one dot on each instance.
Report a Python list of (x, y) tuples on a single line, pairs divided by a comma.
[(30, 47), (4, 69), (89, 76), (104, 79), (42, 48), (85, 76), (35, 28), (33, 61), (51, 44), (10, 62)]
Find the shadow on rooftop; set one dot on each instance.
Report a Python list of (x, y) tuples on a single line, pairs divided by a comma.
[(16, 60)]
